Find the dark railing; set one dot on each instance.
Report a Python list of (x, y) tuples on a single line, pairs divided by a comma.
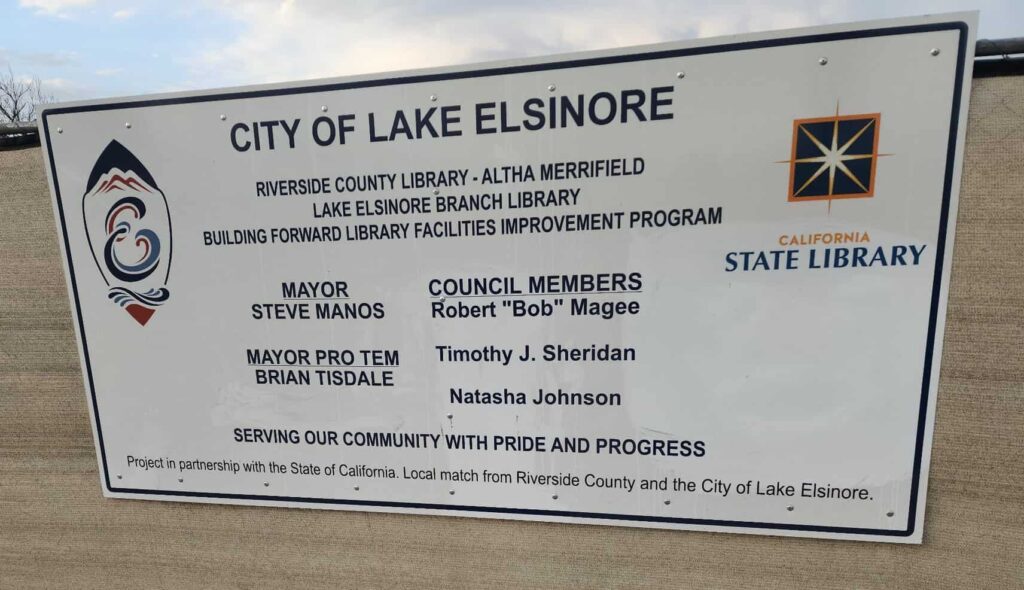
[(999, 57), (1000, 47), (20, 134)]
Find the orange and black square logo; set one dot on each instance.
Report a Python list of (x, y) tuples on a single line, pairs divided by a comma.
[(834, 157)]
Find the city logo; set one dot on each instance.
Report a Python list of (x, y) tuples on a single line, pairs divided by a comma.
[(834, 157), (128, 225)]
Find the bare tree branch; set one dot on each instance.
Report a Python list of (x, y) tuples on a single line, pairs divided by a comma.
[(19, 98)]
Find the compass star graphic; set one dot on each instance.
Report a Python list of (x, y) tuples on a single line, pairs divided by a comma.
[(834, 157)]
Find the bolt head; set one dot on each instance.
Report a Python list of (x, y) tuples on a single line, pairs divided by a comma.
[(119, 476), (437, 191), (554, 496), (789, 508), (323, 108), (551, 88), (890, 514), (935, 51), (181, 480), (60, 130), (451, 492), (433, 97), (667, 502), (449, 416), (680, 75), (223, 117), (127, 125), (356, 488), (266, 484), (822, 61)]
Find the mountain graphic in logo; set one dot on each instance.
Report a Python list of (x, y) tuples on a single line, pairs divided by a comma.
[(834, 157), (128, 225)]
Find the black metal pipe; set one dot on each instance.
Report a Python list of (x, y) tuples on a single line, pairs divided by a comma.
[(18, 129), (992, 47)]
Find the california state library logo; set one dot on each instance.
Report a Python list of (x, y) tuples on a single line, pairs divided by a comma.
[(834, 157), (128, 226)]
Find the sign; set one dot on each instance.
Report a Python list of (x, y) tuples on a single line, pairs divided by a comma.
[(698, 285)]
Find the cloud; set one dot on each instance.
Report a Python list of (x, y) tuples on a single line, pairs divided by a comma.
[(54, 7), (109, 71), (124, 13), (38, 59), (321, 38), (64, 89), (45, 59)]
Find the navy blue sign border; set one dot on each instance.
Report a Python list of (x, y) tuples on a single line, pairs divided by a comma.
[(940, 248)]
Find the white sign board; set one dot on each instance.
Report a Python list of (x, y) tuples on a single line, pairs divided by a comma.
[(693, 286)]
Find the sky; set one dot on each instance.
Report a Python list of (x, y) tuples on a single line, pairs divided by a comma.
[(98, 48)]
